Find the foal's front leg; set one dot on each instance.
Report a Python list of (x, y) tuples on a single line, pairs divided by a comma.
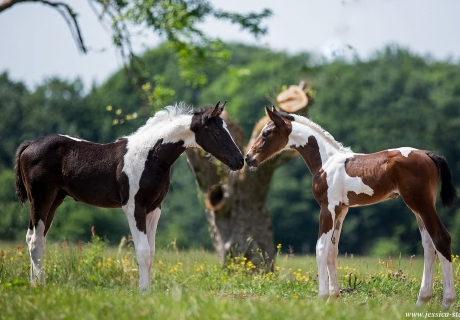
[(141, 245), (334, 289), (323, 246), (152, 223)]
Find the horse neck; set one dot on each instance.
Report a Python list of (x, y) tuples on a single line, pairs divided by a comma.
[(314, 145)]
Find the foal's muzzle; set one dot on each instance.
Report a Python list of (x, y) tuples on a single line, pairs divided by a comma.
[(251, 161), (236, 163)]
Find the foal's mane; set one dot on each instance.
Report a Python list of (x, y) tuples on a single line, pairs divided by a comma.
[(166, 113), (169, 112), (317, 128)]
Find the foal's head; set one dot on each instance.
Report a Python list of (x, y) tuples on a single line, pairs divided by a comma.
[(273, 138), (212, 135)]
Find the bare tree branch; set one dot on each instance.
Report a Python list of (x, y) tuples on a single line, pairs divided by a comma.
[(6, 4)]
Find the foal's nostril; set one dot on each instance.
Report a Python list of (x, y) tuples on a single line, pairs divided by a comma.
[(241, 162)]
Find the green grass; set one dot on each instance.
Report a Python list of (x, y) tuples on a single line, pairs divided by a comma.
[(95, 282)]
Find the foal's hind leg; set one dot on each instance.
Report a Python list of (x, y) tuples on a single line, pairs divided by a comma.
[(435, 232), (429, 255), (57, 202), (417, 186), (35, 239), (40, 207), (434, 237)]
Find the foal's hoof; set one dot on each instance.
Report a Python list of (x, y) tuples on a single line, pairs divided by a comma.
[(332, 298), (421, 302), (446, 302), (323, 297)]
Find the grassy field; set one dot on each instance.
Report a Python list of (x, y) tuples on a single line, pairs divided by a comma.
[(92, 281)]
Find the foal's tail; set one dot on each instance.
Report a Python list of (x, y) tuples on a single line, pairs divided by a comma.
[(448, 192), (21, 191)]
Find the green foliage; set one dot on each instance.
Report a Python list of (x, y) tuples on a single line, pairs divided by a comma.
[(178, 22), (12, 111), (15, 219), (256, 77), (183, 223)]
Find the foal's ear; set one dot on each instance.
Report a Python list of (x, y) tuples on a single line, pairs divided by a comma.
[(218, 109), (277, 120)]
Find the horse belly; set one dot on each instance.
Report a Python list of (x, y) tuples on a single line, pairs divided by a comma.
[(359, 200), (94, 186), (95, 194)]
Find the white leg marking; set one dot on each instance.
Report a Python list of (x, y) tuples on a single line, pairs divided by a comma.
[(152, 223), (429, 254), (426, 288), (36, 242), (322, 247), (334, 289), (447, 281), (141, 245)]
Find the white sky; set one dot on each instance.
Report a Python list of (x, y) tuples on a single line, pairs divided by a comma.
[(35, 42)]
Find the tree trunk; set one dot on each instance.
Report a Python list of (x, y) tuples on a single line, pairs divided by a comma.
[(240, 223)]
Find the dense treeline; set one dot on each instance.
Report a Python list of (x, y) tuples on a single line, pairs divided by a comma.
[(393, 99)]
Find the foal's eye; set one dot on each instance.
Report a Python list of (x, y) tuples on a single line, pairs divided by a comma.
[(265, 134), (217, 133)]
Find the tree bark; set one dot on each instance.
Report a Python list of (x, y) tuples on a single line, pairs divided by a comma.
[(240, 223)]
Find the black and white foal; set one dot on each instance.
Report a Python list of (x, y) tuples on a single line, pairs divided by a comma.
[(132, 173)]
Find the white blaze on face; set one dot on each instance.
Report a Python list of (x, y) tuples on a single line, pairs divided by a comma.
[(404, 150), (228, 131)]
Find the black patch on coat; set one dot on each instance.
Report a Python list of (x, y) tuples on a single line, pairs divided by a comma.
[(55, 166), (155, 179)]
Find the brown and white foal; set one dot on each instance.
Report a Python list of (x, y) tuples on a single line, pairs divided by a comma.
[(132, 173), (343, 179)]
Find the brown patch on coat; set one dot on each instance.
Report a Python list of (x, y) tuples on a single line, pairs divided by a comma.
[(376, 171), (415, 178), (310, 154), (312, 158)]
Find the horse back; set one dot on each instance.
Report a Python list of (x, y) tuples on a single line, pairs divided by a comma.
[(390, 172), (88, 172)]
